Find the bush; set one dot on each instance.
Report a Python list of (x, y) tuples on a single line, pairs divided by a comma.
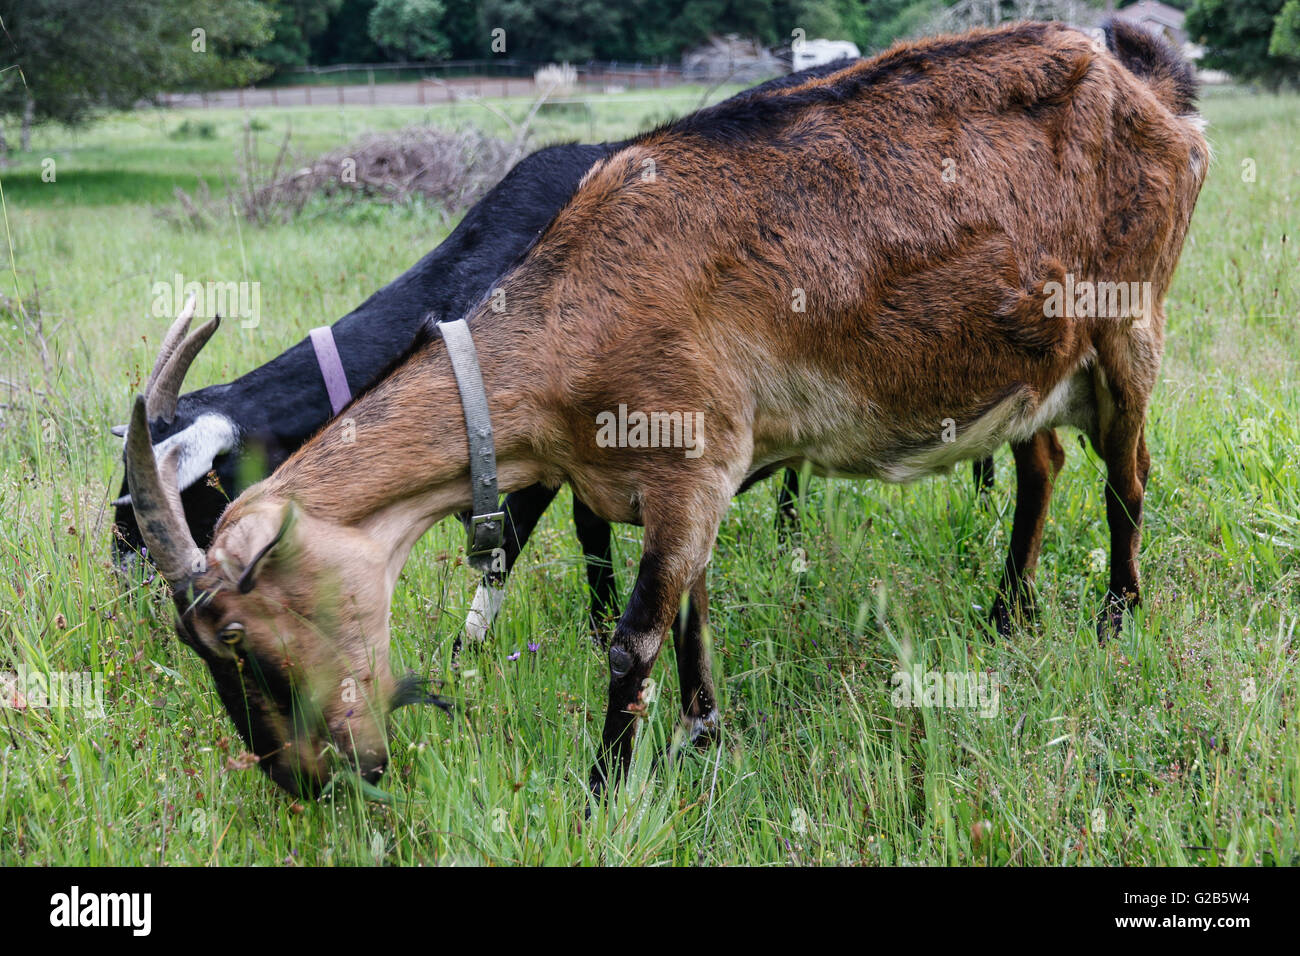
[(192, 130)]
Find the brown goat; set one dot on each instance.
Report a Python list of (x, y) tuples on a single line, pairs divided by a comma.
[(863, 272)]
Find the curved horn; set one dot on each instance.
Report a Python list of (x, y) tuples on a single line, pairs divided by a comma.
[(170, 341), (161, 399), (157, 503)]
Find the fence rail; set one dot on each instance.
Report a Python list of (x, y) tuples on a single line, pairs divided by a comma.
[(416, 84), (365, 73)]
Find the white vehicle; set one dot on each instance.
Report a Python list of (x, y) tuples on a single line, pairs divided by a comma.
[(816, 52)]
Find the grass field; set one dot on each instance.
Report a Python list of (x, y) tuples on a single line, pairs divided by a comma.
[(1178, 743)]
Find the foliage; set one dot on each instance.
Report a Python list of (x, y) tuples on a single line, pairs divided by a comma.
[(1254, 40), (73, 58), (408, 29), (1176, 744), (1285, 41), (298, 26)]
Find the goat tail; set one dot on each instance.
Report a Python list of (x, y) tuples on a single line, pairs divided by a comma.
[(1154, 60)]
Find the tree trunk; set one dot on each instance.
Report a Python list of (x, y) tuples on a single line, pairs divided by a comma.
[(29, 111)]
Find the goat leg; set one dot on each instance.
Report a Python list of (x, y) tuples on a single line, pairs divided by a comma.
[(1127, 465), (594, 534), (982, 471), (1038, 462), (1128, 361), (679, 536), (787, 504), (691, 643)]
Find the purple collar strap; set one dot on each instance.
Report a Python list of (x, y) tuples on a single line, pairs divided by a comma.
[(331, 368)]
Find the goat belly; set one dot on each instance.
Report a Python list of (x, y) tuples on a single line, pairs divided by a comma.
[(909, 440)]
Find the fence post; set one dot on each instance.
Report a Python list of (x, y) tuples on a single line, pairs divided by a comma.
[(308, 90)]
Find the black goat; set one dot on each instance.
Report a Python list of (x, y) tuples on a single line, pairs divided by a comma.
[(268, 413)]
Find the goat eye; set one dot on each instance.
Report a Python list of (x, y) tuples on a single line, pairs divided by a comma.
[(232, 633)]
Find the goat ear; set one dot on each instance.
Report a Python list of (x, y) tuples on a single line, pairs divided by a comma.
[(248, 580)]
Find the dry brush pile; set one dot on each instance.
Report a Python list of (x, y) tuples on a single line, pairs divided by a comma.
[(449, 169)]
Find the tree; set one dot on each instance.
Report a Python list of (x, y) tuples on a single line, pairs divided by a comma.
[(347, 38), (298, 24), (1285, 41), (409, 29), (65, 60), (461, 24), (1254, 40), (579, 30), (891, 19), (571, 30)]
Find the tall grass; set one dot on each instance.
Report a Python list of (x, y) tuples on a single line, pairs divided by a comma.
[(1178, 743)]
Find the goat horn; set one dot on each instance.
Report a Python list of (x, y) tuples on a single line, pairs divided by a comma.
[(157, 503), (170, 341), (161, 399)]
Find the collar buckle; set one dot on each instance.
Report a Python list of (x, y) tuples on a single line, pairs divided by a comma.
[(486, 535)]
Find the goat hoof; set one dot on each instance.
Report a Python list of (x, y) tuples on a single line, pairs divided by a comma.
[(1006, 613), (705, 732), (702, 734), (1110, 622), (620, 662)]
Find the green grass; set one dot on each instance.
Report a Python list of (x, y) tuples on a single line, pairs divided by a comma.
[(135, 158), (1150, 750)]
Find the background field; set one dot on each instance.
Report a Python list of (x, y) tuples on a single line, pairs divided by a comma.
[(1178, 743)]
